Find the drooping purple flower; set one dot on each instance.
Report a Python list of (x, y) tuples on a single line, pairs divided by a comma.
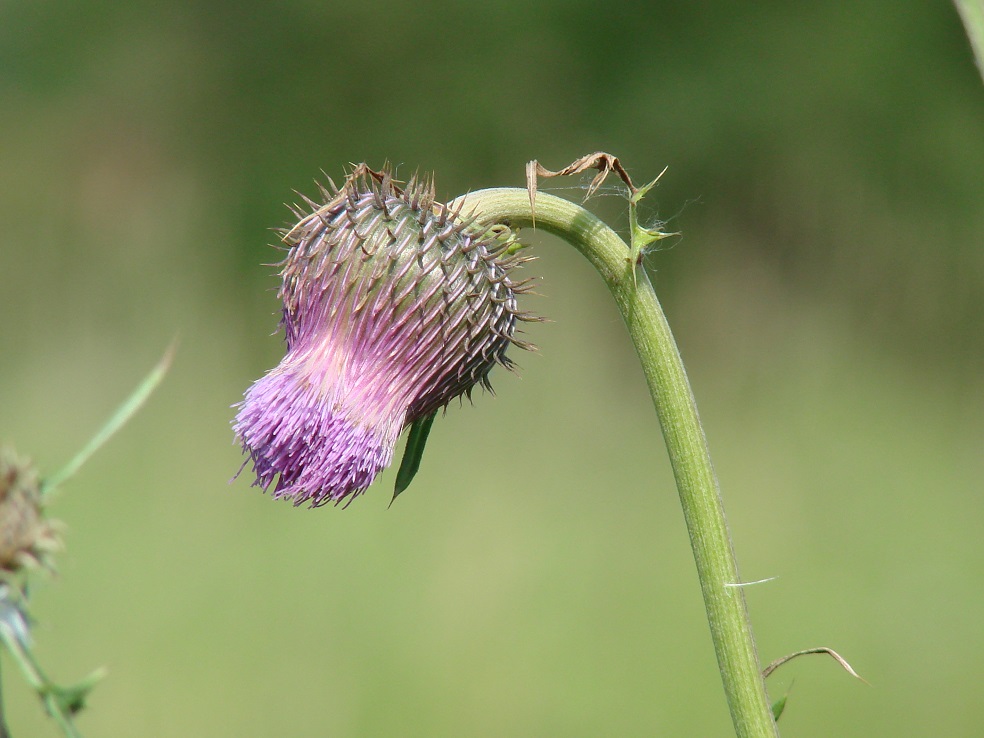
[(393, 306)]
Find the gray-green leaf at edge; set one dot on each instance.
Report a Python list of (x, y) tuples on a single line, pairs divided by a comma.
[(413, 453)]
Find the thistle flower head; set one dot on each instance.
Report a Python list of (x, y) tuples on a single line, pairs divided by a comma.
[(27, 538), (393, 306)]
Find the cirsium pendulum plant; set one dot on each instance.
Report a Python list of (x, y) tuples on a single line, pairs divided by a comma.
[(395, 304)]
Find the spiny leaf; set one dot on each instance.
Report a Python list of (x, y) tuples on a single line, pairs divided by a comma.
[(71, 699)]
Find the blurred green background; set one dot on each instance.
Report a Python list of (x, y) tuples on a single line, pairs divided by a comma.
[(825, 168)]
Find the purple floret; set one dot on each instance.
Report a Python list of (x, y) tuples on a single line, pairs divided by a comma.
[(319, 453)]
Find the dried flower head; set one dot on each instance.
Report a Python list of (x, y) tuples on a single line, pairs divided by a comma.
[(393, 305), (27, 539)]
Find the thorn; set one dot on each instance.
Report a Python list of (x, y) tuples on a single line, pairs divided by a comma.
[(749, 584)]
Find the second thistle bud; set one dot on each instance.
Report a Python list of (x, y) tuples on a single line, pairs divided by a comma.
[(27, 538), (393, 306)]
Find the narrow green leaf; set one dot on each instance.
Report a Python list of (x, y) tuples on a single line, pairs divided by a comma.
[(413, 453), (123, 413)]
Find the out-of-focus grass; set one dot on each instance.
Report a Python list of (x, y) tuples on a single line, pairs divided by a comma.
[(536, 578)]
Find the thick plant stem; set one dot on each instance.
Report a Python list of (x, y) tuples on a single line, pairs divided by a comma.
[(724, 600)]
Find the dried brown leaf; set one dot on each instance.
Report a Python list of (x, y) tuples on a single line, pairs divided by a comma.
[(821, 649), (604, 163)]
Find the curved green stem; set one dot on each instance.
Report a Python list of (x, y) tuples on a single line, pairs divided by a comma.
[(724, 600)]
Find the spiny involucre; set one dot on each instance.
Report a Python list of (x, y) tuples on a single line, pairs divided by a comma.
[(393, 305)]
